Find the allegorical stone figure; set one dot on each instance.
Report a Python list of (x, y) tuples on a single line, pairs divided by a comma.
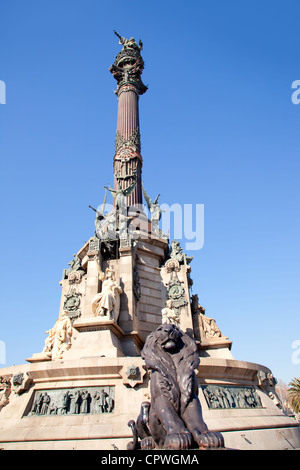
[(131, 42), (169, 315), (107, 302), (155, 211), (177, 253), (120, 195), (75, 265), (210, 328), (59, 337), (100, 217)]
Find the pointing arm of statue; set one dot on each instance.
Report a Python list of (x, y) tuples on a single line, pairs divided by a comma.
[(95, 210), (156, 200), (117, 35), (122, 40), (113, 192)]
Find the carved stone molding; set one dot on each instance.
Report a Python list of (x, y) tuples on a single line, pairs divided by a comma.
[(132, 142), (98, 324)]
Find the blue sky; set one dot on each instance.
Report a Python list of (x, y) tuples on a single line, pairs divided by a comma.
[(218, 128)]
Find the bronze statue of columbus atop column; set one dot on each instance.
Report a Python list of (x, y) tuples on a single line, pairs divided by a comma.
[(127, 70)]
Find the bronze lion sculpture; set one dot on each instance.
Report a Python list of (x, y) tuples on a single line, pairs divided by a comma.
[(173, 419)]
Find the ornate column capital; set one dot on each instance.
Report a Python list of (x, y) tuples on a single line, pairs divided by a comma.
[(128, 67)]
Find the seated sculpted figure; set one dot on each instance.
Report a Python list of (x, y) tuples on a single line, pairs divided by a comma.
[(107, 302), (210, 327), (169, 315), (59, 337)]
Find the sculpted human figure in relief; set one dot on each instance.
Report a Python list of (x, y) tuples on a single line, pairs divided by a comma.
[(210, 327), (155, 210), (107, 302)]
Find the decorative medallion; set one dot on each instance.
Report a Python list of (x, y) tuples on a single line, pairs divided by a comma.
[(72, 304), (20, 382), (133, 372)]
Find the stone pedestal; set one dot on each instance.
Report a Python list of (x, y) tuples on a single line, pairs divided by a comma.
[(126, 380), (97, 336)]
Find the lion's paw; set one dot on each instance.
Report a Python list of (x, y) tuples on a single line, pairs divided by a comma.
[(147, 443), (208, 439), (181, 440)]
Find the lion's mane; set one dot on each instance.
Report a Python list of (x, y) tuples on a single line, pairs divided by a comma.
[(173, 419), (176, 367)]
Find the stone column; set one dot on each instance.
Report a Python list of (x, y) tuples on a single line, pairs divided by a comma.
[(127, 160), (127, 70), (128, 112)]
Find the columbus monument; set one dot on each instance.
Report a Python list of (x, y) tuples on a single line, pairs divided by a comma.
[(129, 337)]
